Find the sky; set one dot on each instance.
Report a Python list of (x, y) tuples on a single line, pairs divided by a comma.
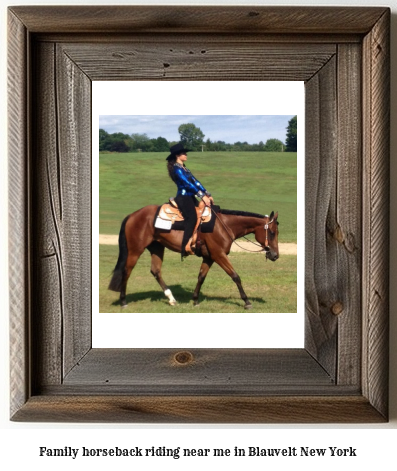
[(228, 128)]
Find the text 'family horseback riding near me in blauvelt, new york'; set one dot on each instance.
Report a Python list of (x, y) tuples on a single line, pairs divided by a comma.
[(181, 452)]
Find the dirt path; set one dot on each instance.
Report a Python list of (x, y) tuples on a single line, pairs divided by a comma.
[(286, 249)]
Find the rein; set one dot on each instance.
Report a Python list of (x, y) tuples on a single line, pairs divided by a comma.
[(263, 249)]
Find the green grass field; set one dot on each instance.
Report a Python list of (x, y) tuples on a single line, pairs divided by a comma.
[(260, 182), (271, 287)]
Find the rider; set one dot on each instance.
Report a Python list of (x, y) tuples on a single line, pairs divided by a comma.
[(190, 190)]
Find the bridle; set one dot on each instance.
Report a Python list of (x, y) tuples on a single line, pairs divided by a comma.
[(266, 227), (265, 248)]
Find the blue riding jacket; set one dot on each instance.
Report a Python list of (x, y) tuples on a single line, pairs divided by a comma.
[(186, 183)]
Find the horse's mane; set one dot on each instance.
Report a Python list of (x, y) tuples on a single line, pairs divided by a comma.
[(232, 212)]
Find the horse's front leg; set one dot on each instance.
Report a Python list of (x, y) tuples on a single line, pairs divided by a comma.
[(205, 266), (223, 261)]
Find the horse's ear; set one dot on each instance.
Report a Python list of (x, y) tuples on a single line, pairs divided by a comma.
[(276, 216), (271, 215)]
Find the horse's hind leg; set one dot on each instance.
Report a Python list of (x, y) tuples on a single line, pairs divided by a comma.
[(131, 262), (157, 252), (205, 266)]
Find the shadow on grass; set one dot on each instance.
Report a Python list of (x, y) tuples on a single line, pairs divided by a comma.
[(184, 296)]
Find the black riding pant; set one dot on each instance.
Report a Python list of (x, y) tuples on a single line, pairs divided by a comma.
[(187, 206)]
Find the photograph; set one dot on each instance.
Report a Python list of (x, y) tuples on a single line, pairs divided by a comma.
[(197, 214)]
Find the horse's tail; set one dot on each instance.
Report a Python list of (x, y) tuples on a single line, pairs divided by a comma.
[(116, 282)]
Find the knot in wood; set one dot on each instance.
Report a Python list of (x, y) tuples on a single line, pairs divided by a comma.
[(183, 358), (337, 308), (338, 235)]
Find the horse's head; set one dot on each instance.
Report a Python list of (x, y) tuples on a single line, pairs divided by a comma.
[(267, 235)]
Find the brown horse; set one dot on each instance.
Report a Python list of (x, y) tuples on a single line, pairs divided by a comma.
[(138, 233)]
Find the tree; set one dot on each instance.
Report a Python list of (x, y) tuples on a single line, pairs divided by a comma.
[(116, 142), (191, 136), (273, 145), (119, 145), (160, 144), (103, 135), (141, 142), (292, 139)]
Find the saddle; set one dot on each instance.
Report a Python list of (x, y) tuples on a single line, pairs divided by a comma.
[(169, 213)]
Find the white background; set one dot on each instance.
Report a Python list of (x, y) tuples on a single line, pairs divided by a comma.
[(19, 442), (228, 330)]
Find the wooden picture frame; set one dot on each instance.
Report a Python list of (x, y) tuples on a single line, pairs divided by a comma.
[(342, 54)]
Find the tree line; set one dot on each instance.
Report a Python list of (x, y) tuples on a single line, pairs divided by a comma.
[(193, 138)]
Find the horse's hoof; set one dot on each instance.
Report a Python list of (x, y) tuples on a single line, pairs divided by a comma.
[(172, 303), (124, 306), (248, 306)]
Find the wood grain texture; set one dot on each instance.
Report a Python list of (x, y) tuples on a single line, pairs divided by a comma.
[(73, 89), (19, 240), (184, 59), (193, 38), (321, 280), (199, 409), (346, 225), (198, 19), (226, 370), (341, 376), (376, 90), (334, 215), (47, 289), (62, 170)]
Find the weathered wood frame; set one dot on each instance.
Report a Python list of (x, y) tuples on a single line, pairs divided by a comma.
[(342, 54)]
